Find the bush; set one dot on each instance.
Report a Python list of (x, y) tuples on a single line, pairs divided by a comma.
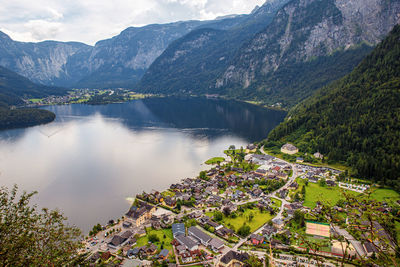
[(153, 238)]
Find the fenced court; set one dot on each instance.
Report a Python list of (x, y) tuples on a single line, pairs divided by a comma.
[(318, 229)]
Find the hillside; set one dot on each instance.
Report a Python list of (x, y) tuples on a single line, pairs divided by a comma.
[(356, 119), (309, 44), (13, 88)]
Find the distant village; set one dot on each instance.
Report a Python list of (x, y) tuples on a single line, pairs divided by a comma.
[(77, 96), (248, 207)]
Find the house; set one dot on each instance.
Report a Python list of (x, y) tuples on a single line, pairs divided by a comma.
[(330, 183), (299, 160), (233, 259), (318, 155), (251, 147), (199, 235), (216, 244), (313, 179), (259, 159), (127, 224), (119, 240), (283, 193), (294, 185), (277, 223), (95, 257), (139, 214), (156, 224), (178, 229), (282, 175), (152, 249), (370, 248), (106, 255), (132, 253), (289, 149), (186, 256), (223, 232), (276, 169), (256, 239), (239, 170), (256, 192), (163, 255), (188, 242), (269, 230), (170, 202), (261, 172)]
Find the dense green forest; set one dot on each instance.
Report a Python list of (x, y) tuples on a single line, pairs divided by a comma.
[(355, 120), (18, 118)]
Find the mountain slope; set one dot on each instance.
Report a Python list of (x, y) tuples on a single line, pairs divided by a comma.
[(192, 63), (12, 88), (329, 37), (356, 119)]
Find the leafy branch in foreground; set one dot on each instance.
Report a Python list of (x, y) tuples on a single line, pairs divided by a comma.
[(32, 237)]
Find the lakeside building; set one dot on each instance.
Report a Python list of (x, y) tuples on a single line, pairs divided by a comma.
[(140, 213)]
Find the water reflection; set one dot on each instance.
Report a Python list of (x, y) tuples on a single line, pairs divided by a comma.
[(93, 157)]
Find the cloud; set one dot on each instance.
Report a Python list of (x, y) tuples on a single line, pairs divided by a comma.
[(92, 20)]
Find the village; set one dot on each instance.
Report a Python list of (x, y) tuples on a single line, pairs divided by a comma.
[(248, 207), (89, 96)]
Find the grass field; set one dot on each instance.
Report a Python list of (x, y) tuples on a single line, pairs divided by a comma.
[(329, 195), (142, 241), (35, 100), (385, 194), (235, 223), (214, 160)]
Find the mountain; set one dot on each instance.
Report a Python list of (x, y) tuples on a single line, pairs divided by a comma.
[(14, 87), (122, 60), (43, 62), (356, 119), (192, 63), (116, 62), (309, 44)]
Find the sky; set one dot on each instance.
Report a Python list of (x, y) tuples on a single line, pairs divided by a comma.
[(89, 21)]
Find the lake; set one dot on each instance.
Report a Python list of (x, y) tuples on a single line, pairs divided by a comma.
[(92, 160)]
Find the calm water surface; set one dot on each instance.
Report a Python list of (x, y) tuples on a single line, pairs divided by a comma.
[(93, 159)]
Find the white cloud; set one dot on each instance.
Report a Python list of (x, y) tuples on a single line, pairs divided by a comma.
[(92, 20)]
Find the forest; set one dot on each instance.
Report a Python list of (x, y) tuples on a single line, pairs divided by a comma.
[(24, 117)]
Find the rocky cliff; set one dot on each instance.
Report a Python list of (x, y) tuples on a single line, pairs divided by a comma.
[(43, 62), (305, 38)]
